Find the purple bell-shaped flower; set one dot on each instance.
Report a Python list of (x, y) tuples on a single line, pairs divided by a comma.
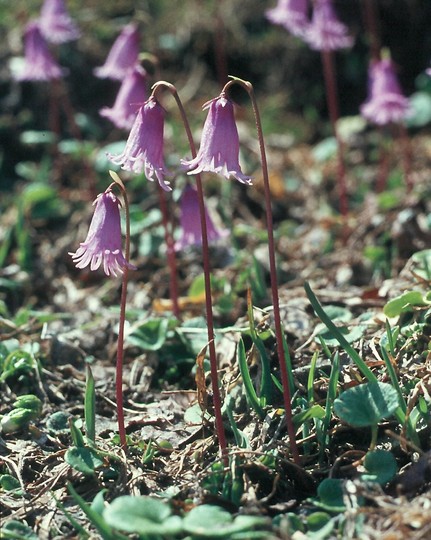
[(326, 32), (219, 148), (103, 245), (123, 55), (144, 147), (131, 95), (39, 63), (55, 22)]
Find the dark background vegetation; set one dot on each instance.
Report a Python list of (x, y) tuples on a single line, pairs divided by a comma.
[(198, 43)]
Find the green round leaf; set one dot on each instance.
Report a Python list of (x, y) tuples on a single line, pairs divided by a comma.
[(330, 493), (83, 460), (150, 335), (381, 466), (420, 103), (17, 531), (9, 482), (366, 404), (209, 521), (58, 423), (403, 303), (422, 264), (317, 520), (142, 515)]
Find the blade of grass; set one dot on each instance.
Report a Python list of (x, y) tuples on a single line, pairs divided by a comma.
[(320, 312), (95, 518), (83, 533), (401, 412), (289, 370), (265, 383), (76, 434), (90, 405), (246, 379), (323, 427), (310, 380), (390, 338)]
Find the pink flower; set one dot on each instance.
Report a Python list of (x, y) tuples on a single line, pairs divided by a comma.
[(55, 23), (144, 147), (39, 62), (191, 232), (123, 55), (326, 32), (103, 242), (132, 93), (219, 149), (292, 14), (386, 102)]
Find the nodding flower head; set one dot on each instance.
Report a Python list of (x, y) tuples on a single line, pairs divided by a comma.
[(292, 14), (144, 147), (219, 149), (123, 55), (131, 95), (103, 245), (191, 232), (55, 22), (386, 102), (326, 32), (39, 63)]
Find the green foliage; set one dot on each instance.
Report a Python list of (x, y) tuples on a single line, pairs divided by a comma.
[(150, 335), (94, 516), (421, 265), (250, 391), (420, 103), (320, 312), (146, 516), (58, 423), (207, 521), (16, 530), (227, 484), (366, 404), (404, 303), (82, 459), (90, 405), (18, 365), (25, 409), (11, 484), (380, 465)]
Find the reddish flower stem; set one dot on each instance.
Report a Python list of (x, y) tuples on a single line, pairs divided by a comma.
[(382, 175), (407, 157), (121, 324), (273, 270), (172, 262), (120, 357), (207, 277), (332, 101), (59, 99), (372, 27)]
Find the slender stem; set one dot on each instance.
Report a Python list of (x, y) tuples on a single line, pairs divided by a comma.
[(273, 270), (123, 301), (382, 175), (407, 157), (219, 42), (207, 278), (172, 263), (120, 357), (372, 27), (60, 99), (332, 101)]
